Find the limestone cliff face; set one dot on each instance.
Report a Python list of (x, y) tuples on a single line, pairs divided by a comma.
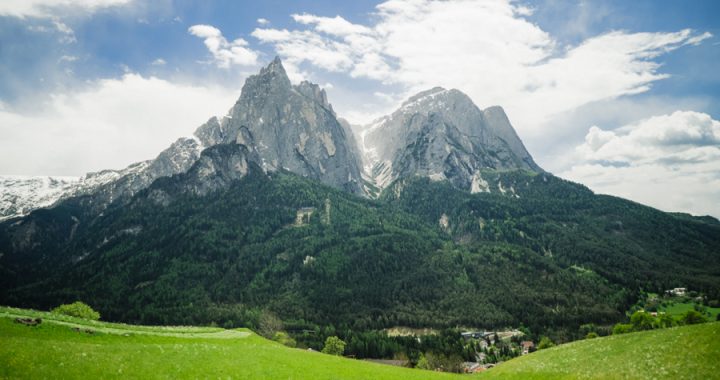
[(216, 168), (437, 133), (289, 127), (443, 135)]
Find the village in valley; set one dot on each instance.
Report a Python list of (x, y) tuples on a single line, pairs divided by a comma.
[(494, 347), (490, 347)]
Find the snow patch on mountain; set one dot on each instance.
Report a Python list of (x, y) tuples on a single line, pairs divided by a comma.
[(22, 194)]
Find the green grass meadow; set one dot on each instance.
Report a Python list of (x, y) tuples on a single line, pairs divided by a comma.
[(53, 350), (688, 352), (677, 308), (62, 348)]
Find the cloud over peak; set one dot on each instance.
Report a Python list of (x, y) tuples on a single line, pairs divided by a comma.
[(489, 49), (224, 53)]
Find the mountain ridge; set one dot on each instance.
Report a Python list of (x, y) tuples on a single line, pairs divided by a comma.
[(306, 136)]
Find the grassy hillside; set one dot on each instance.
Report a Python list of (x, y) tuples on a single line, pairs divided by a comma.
[(689, 352), (54, 349)]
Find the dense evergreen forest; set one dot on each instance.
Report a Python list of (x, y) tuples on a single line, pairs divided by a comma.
[(546, 255)]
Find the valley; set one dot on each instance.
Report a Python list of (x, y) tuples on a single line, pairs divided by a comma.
[(274, 219)]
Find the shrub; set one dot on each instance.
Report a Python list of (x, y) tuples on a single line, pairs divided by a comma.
[(77, 309), (665, 320), (622, 328), (283, 338), (591, 335), (642, 321), (692, 317), (545, 342), (588, 328), (423, 362), (269, 324), (334, 346)]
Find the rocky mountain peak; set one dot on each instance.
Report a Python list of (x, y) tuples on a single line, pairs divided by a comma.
[(272, 79), (313, 91), (289, 128), (438, 133), (424, 94), (442, 134)]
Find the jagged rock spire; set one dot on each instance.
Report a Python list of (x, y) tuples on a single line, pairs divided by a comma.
[(289, 128)]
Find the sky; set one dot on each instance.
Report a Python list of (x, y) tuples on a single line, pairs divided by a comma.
[(621, 96)]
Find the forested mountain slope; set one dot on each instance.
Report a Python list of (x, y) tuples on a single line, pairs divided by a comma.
[(548, 254)]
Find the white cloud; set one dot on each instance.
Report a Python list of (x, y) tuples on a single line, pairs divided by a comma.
[(54, 11), (337, 25), (298, 46), (68, 58), (67, 34), (225, 53), (653, 140), (111, 124), (487, 49), (696, 40), (49, 8), (159, 62), (671, 162), (263, 21), (334, 44)]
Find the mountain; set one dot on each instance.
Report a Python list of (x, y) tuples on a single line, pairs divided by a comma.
[(291, 128), (183, 244), (287, 127), (443, 135), (266, 211), (223, 242), (21, 194), (440, 134)]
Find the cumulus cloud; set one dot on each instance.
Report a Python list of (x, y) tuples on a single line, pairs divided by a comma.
[(159, 62), (487, 49), (49, 8), (671, 162), (110, 124), (337, 25), (334, 44), (224, 53), (263, 21)]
